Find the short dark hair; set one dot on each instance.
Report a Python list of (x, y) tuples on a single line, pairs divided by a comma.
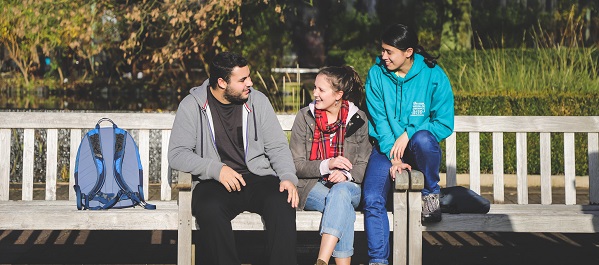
[(222, 65)]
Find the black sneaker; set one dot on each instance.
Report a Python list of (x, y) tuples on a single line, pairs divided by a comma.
[(431, 210)]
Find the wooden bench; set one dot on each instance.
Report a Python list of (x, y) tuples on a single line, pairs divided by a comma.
[(53, 214), (570, 217)]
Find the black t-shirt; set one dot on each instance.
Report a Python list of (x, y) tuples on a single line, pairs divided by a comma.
[(228, 134)]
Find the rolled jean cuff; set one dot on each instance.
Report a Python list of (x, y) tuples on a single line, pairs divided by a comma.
[(331, 231), (343, 254)]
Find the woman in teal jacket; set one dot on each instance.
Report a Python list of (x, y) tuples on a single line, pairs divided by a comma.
[(411, 110)]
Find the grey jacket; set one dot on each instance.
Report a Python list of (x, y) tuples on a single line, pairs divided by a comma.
[(192, 147), (357, 148)]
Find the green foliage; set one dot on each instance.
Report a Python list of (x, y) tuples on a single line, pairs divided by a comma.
[(506, 71), (30, 29)]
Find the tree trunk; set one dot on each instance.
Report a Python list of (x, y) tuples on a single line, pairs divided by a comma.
[(457, 29)]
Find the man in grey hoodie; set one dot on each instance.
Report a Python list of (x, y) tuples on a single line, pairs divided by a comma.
[(226, 134)]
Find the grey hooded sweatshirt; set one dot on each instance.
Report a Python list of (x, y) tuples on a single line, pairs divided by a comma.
[(192, 147)]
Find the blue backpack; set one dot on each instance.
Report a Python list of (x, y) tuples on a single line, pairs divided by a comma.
[(108, 171)]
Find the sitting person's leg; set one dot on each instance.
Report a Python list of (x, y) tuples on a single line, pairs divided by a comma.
[(339, 217), (279, 218), (377, 184), (338, 207), (423, 153), (214, 208)]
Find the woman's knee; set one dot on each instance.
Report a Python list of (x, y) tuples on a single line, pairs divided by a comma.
[(424, 140)]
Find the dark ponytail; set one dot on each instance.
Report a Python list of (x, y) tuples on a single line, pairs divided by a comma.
[(402, 37)]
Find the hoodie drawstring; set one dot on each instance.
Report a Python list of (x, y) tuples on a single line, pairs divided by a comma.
[(255, 128), (201, 132)]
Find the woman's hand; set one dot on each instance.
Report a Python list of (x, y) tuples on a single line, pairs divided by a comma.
[(340, 162), (399, 146), (396, 166), (337, 176)]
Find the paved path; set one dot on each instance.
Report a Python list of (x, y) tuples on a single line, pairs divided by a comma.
[(159, 247)]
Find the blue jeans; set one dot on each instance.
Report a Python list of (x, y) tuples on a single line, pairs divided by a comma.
[(337, 206), (422, 153)]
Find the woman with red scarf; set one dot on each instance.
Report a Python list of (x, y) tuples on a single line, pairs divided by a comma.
[(330, 148)]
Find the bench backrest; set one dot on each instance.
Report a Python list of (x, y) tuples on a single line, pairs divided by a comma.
[(76, 122)]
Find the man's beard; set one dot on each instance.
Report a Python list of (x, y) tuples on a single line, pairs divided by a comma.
[(233, 98)]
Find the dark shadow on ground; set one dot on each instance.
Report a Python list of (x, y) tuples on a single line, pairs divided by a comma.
[(159, 247)]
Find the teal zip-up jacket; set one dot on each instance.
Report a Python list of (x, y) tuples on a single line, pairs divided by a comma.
[(422, 100)]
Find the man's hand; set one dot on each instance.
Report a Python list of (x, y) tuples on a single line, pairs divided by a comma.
[(399, 146), (340, 162), (231, 179), (398, 165), (293, 197)]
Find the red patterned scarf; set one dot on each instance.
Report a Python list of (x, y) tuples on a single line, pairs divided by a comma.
[(323, 145)]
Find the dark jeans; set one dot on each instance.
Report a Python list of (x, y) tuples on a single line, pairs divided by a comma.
[(214, 208), (422, 153)]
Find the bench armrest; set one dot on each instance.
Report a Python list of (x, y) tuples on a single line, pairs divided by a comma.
[(184, 181)]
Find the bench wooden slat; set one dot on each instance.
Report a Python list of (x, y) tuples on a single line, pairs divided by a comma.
[(63, 215), (569, 169), (28, 160), (144, 155), (526, 124), (545, 153), (593, 156), (74, 148), (498, 183), (4, 164), (521, 168), (165, 187), (79, 120), (474, 148), (586, 223), (51, 163), (451, 160)]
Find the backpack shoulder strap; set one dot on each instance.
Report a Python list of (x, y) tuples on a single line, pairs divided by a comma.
[(119, 152)]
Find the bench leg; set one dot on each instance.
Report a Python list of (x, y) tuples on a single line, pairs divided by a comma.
[(407, 228), (415, 228), (184, 249), (400, 228)]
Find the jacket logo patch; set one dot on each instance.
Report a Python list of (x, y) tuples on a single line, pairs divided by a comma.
[(418, 109)]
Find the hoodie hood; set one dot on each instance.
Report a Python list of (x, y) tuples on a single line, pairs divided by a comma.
[(199, 93), (416, 68)]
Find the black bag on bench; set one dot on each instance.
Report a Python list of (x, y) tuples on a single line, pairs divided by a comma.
[(459, 199)]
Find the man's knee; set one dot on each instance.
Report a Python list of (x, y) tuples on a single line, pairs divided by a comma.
[(211, 210)]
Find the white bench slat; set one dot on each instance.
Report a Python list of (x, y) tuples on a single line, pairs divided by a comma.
[(569, 169), (4, 164), (63, 215), (28, 159), (593, 156), (144, 155), (498, 183), (526, 124), (165, 187), (545, 153), (51, 163), (524, 218), (522, 168), (74, 148), (474, 147), (79, 120), (451, 160)]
